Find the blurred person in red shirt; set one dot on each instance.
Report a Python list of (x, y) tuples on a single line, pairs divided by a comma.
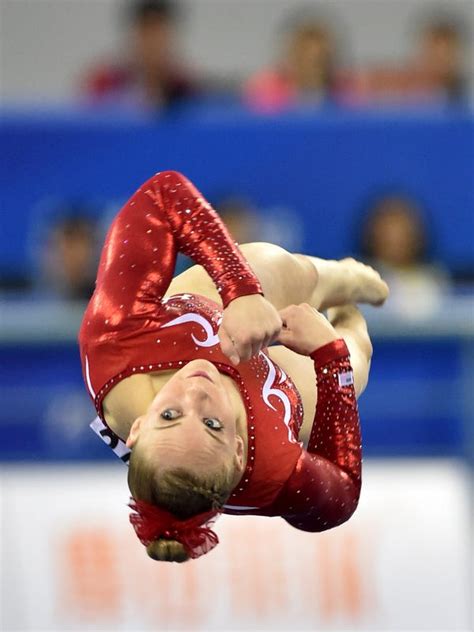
[(308, 71), (149, 76)]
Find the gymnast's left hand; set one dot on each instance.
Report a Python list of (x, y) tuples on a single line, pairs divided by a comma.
[(249, 323)]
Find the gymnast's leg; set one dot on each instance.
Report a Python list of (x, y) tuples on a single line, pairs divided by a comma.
[(285, 278), (346, 281), (289, 279)]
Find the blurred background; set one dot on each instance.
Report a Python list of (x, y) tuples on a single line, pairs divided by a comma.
[(337, 128)]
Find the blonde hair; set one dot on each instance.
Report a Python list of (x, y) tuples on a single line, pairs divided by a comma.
[(179, 491)]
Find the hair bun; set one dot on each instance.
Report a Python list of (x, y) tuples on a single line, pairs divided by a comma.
[(164, 550)]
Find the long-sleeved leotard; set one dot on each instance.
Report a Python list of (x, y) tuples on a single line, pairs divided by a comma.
[(333, 457), (166, 215), (130, 328)]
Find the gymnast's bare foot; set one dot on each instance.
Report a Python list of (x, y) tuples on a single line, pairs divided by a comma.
[(365, 284)]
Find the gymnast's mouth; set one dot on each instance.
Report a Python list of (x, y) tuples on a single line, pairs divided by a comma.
[(200, 374)]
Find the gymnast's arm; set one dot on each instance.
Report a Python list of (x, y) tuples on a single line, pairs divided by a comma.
[(165, 216), (323, 490)]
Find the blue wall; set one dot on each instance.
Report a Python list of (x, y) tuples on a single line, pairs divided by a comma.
[(321, 166)]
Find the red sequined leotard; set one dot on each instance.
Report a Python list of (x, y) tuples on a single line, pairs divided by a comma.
[(129, 327)]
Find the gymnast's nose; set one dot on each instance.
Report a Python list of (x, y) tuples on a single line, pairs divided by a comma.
[(197, 392)]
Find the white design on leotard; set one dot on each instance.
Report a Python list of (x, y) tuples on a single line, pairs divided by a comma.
[(211, 338), (88, 379), (268, 390)]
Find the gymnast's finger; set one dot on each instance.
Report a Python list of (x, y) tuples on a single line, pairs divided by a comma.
[(271, 334), (266, 342), (288, 315), (244, 348), (228, 347), (285, 312), (256, 346), (260, 342), (285, 335)]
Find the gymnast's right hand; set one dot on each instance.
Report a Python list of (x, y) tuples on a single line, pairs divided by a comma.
[(249, 323), (305, 329)]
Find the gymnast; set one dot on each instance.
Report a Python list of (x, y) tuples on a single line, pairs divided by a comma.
[(189, 390)]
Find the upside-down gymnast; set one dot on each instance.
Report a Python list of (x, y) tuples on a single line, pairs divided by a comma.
[(188, 391)]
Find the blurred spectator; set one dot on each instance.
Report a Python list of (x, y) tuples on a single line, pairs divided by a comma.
[(276, 224), (307, 72), (394, 240), (434, 73), (69, 259), (149, 75), (440, 60), (240, 218)]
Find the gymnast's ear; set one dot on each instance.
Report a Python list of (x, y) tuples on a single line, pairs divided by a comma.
[(134, 432), (239, 454)]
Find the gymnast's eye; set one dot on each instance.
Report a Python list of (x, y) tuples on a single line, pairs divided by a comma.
[(213, 423), (169, 414)]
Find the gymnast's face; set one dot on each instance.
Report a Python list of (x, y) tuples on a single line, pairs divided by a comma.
[(192, 421)]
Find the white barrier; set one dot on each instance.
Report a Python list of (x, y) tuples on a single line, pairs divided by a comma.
[(70, 560)]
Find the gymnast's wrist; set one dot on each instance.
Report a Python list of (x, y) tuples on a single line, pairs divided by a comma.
[(334, 350), (238, 290)]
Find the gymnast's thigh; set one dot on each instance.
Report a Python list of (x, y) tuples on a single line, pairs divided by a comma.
[(285, 278)]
